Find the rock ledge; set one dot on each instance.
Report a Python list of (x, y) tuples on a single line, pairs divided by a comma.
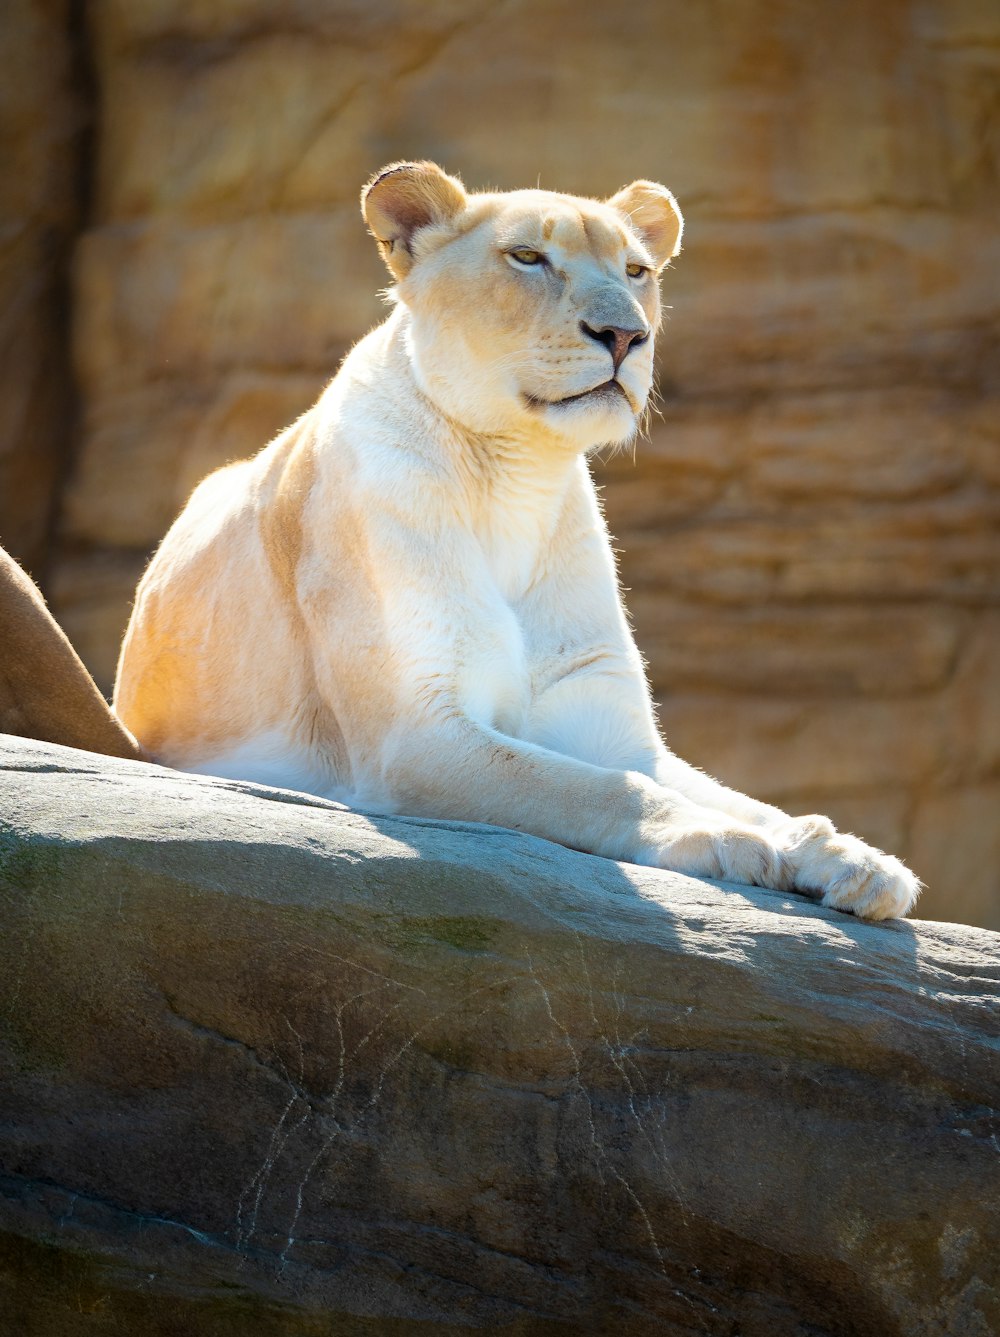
[(272, 1066)]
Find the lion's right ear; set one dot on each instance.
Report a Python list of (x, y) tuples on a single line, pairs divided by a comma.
[(652, 210), (402, 199)]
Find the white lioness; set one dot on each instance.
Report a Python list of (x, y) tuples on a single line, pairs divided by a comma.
[(408, 600)]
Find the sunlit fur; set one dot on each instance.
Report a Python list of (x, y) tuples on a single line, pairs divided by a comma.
[(408, 600)]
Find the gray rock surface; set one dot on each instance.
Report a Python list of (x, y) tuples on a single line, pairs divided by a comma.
[(270, 1066)]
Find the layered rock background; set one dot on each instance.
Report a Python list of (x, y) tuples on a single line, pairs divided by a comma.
[(42, 119), (810, 534)]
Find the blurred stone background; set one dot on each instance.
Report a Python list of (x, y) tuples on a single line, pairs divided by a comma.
[(810, 535)]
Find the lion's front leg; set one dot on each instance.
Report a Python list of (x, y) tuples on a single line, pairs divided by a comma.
[(463, 770), (601, 716), (674, 773)]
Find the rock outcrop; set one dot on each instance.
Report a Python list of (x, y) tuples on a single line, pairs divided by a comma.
[(273, 1066), (45, 691)]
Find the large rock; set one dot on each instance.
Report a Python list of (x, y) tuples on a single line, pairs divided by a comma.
[(273, 1066)]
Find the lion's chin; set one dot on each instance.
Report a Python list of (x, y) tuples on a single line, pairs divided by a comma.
[(598, 416)]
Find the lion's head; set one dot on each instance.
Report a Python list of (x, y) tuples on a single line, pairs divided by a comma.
[(529, 309)]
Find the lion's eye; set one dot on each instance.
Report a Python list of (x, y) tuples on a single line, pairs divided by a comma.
[(524, 255), (636, 271)]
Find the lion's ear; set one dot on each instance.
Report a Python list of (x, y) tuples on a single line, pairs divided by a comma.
[(402, 199), (652, 211)]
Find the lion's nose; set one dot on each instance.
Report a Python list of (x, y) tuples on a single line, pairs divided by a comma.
[(616, 339)]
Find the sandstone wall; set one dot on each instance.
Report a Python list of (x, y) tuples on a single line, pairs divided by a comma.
[(42, 118), (810, 534)]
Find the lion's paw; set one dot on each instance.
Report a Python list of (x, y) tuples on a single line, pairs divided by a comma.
[(731, 852), (844, 872)]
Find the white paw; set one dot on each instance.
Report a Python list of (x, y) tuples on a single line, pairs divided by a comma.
[(730, 851), (845, 872)]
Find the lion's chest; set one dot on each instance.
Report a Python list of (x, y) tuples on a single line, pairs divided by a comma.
[(494, 679), (496, 669)]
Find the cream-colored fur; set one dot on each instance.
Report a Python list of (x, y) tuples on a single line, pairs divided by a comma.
[(408, 600)]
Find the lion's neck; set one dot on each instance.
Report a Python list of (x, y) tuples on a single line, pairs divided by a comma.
[(508, 486), (517, 506), (516, 450)]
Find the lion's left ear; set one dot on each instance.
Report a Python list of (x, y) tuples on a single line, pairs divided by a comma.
[(652, 211), (402, 199)]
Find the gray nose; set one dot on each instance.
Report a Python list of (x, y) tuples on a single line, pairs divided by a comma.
[(616, 339)]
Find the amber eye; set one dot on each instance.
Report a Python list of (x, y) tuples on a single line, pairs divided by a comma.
[(636, 271), (524, 255)]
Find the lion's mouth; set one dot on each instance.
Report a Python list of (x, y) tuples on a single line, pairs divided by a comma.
[(606, 387)]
